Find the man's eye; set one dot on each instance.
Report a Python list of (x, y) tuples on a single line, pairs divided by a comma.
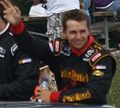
[(82, 31), (73, 32)]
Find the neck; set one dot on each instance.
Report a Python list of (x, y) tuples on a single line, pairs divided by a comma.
[(2, 24)]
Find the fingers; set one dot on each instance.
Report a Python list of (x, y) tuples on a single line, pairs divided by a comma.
[(4, 16), (36, 91), (3, 4), (17, 9), (39, 94), (42, 94), (6, 4)]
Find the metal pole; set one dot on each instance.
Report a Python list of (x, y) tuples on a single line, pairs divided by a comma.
[(106, 33)]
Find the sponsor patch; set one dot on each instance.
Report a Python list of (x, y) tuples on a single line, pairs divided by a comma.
[(13, 49), (57, 46), (99, 67), (2, 56), (2, 50), (26, 60), (88, 54), (98, 73), (86, 59), (96, 57)]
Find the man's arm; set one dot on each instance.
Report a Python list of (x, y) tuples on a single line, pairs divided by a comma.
[(25, 71), (28, 45)]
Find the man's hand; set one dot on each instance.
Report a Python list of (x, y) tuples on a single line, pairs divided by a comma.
[(12, 14), (43, 94)]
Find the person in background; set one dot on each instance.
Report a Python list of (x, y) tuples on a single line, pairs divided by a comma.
[(55, 10), (37, 9), (18, 71), (83, 69), (108, 5), (85, 5)]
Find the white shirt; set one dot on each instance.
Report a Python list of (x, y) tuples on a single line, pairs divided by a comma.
[(37, 11), (57, 6)]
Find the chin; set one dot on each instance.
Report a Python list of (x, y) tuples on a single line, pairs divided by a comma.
[(78, 47)]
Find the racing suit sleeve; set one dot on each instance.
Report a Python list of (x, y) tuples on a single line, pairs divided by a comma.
[(95, 91), (25, 72), (30, 45)]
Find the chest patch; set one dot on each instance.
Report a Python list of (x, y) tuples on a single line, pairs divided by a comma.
[(13, 49), (88, 54), (2, 52), (98, 73), (26, 60)]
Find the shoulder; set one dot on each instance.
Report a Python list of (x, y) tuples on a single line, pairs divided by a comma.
[(99, 54), (11, 45), (23, 59)]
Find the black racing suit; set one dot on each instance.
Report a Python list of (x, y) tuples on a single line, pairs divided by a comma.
[(18, 72), (84, 78)]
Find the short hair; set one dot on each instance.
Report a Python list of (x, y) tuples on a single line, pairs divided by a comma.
[(1, 10), (77, 15)]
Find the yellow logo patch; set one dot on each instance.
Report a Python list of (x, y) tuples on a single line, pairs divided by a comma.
[(98, 73)]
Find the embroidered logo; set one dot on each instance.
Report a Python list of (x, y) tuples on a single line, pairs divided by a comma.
[(13, 49), (98, 73), (2, 52), (96, 57), (103, 67), (88, 54), (77, 97), (26, 60)]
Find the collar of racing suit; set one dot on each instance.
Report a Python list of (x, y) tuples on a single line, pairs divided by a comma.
[(4, 32), (5, 29), (82, 50)]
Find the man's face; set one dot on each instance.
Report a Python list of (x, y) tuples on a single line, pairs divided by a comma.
[(76, 33)]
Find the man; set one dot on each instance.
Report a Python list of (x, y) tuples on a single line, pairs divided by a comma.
[(18, 72), (83, 70)]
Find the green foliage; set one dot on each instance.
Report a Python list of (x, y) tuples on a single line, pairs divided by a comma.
[(114, 93)]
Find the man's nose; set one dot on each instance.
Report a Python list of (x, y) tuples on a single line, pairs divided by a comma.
[(78, 36)]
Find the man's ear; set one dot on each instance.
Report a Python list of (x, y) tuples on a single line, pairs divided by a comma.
[(64, 35)]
